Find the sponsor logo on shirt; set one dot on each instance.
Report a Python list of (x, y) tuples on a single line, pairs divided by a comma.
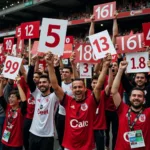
[(42, 112), (76, 124), (84, 107), (142, 118), (72, 106), (31, 101)]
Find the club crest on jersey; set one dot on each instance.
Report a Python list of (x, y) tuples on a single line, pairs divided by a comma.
[(142, 118), (84, 107)]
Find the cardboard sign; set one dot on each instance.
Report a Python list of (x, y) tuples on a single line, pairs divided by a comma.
[(18, 32), (1, 48), (67, 51), (84, 53), (102, 44), (52, 38), (105, 11), (85, 70), (8, 44), (20, 45), (30, 30), (69, 40), (130, 43), (146, 30), (11, 67), (137, 62)]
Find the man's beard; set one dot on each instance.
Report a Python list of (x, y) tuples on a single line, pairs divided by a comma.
[(136, 106), (43, 90)]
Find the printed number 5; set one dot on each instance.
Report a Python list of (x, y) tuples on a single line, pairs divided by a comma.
[(54, 35)]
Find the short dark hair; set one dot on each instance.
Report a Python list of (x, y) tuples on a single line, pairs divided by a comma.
[(146, 74), (68, 67), (78, 79), (45, 76), (138, 89), (37, 72), (15, 92), (95, 77)]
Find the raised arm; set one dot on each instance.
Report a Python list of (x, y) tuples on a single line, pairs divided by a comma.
[(101, 79), (30, 81), (57, 89), (115, 28), (91, 30), (116, 84), (110, 82), (73, 65)]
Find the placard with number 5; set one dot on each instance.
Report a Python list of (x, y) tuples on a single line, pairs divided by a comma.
[(11, 67), (52, 38), (137, 62), (104, 11), (30, 30), (85, 70), (102, 44)]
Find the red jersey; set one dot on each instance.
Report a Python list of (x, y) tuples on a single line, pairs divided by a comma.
[(100, 118), (109, 103), (14, 126), (79, 123), (30, 99), (142, 123)]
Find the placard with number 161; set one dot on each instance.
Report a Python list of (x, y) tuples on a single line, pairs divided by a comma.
[(11, 67)]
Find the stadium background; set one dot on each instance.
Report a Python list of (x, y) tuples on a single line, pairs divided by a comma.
[(132, 13)]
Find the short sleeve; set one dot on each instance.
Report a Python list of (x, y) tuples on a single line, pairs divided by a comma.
[(66, 100), (36, 93), (122, 107)]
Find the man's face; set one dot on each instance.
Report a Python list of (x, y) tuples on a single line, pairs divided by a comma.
[(114, 68), (93, 84), (137, 99), (66, 74), (140, 79), (36, 78), (13, 100), (44, 85), (78, 89)]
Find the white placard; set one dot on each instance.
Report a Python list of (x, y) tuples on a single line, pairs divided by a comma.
[(11, 67), (102, 44), (137, 62), (26, 67), (53, 34), (14, 53), (85, 70), (65, 61)]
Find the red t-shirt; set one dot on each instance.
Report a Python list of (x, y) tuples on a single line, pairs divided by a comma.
[(142, 124), (15, 127), (79, 123), (109, 103), (100, 120), (30, 99)]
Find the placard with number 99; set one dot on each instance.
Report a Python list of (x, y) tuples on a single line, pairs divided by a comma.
[(137, 62), (52, 38), (104, 11), (84, 53), (11, 67)]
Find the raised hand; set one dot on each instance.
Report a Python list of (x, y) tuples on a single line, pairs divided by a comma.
[(72, 58), (107, 60), (123, 65), (18, 78), (49, 58), (92, 18)]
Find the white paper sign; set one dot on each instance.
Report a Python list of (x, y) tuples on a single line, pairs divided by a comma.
[(102, 44), (85, 70), (11, 67), (26, 67), (137, 62), (53, 34), (14, 53)]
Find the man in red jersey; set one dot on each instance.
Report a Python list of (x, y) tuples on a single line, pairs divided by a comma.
[(80, 110), (134, 120)]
